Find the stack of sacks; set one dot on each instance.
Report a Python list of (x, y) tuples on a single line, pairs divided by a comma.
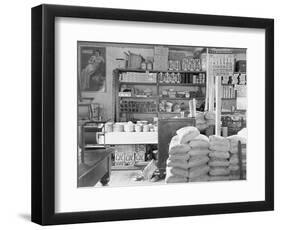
[(198, 168), (219, 158), (234, 159), (177, 162), (210, 118), (176, 170), (201, 123)]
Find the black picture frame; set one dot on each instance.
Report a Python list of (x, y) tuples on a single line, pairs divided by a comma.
[(43, 114)]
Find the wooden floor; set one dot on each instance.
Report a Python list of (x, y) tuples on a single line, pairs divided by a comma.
[(126, 178)]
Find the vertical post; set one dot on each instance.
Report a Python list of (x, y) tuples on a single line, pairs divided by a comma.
[(207, 80), (218, 105)]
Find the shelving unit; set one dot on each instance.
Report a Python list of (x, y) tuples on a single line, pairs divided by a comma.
[(156, 86)]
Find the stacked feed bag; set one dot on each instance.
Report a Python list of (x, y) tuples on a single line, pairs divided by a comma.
[(201, 123), (198, 168), (234, 157), (210, 118), (188, 157), (176, 170), (219, 158)]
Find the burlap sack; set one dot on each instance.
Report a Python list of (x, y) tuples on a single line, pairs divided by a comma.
[(198, 152), (219, 178), (197, 161), (219, 154), (201, 178), (177, 164), (198, 171), (187, 133), (219, 171), (218, 163), (175, 179), (176, 148), (181, 157), (176, 172)]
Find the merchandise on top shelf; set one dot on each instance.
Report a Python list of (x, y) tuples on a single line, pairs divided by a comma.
[(191, 64), (137, 77), (181, 78), (130, 106), (161, 58), (134, 60), (174, 65)]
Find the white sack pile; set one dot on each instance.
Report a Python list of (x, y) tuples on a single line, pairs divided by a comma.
[(204, 120), (176, 170), (219, 158), (210, 118), (188, 157), (234, 159), (198, 168)]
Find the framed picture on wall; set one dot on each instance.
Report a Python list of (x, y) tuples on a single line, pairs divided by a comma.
[(91, 68), (182, 113)]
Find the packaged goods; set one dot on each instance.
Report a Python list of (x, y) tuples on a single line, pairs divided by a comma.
[(199, 152), (210, 115), (234, 159), (176, 172), (219, 178), (140, 151), (234, 177), (201, 141), (201, 178), (177, 164), (175, 179), (181, 157), (219, 148), (149, 170), (108, 127), (187, 133), (210, 122), (197, 161), (219, 154), (198, 171), (218, 163), (233, 167), (218, 140), (176, 148), (118, 127), (219, 171)]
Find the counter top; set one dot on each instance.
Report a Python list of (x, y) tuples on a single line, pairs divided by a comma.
[(123, 138)]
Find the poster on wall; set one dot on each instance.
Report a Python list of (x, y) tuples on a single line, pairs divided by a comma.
[(91, 68)]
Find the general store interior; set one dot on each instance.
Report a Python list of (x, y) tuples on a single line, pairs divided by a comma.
[(148, 93)]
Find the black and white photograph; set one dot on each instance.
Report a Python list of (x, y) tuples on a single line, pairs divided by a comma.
[(140, 114), (169, 114)]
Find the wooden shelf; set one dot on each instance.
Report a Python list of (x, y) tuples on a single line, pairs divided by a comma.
[(126, 167), (146, 98), (170, 112), (158, 71), (140, 112), (181, 99), (182, 84), (156, 87), (138, 83)]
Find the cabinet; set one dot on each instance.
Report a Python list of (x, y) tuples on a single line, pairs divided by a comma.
[(142, 95)]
